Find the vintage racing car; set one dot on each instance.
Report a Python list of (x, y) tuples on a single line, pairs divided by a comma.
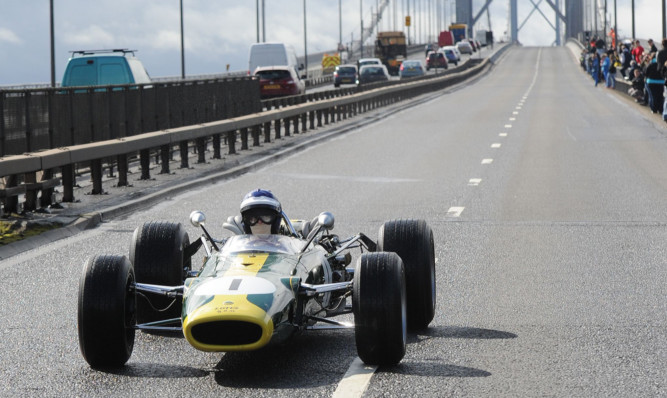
[(255, 290)]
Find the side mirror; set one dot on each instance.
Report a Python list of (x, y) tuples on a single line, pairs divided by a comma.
[(197, 218), (326, 220)]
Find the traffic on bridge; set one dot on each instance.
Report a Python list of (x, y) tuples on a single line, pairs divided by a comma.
[(494, 226)]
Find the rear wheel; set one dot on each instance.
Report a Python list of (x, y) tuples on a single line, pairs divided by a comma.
[(106, 311), (379, 307), (412, 240), (157, 252)]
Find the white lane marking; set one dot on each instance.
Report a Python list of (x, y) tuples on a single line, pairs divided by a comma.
[(473, 182), (515, 113), (495, 145), (502, 135), (512, 119), (487, 161), (454, 211), (355, 381), (508, 126), (518, 107)]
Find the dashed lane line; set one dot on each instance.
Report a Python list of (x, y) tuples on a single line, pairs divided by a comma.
[(454, 211), (355, 381)]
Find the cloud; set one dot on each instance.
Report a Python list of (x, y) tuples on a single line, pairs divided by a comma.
[(8, 36), (92, 36)]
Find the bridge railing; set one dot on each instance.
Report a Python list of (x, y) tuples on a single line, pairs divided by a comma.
[(33, 176), (47, 118)]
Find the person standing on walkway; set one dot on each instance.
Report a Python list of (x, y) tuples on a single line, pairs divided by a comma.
[(637, 52), (610, 81), (655, 85), (661, 60), (595, 68), (626, 57), (605, 63)]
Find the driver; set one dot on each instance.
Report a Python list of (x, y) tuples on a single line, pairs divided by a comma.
[(261, 212)]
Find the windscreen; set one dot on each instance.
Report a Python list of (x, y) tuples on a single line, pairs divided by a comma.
[(373, 71), (274, 74), (262, 244), (346, 70)]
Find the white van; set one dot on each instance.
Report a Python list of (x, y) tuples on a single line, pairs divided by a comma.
[(272, 54)]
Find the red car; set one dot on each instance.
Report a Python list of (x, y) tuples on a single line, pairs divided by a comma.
[(436, 59), (279, 81)]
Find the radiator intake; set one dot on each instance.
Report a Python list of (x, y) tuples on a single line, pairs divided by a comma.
[(227, 333)]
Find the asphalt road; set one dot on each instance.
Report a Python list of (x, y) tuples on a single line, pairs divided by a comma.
[(548, 202)]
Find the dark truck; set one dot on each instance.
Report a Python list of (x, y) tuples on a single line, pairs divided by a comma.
[(391, 49)]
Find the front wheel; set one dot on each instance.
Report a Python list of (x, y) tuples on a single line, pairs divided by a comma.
[(158, 255), (106, 311), (412, 240), (379, 307)]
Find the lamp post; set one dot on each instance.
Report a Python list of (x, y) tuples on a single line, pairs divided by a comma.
[(616, 26), (633, 20), (361, 36), (340, 24), (53, 48), (182, 45), (263, 22), (305, 40)]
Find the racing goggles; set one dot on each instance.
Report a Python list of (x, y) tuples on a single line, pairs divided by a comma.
[(254, 219)]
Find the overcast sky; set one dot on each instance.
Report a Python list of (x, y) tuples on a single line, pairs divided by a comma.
[(219, 32)]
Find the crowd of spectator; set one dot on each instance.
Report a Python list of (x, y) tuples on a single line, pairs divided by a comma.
[(644, 68)]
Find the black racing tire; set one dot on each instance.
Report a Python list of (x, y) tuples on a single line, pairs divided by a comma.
[(106, 311), (380, 309), (157, 253), (412, 240)]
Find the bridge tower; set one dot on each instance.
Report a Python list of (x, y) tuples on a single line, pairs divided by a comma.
[(572, 19)]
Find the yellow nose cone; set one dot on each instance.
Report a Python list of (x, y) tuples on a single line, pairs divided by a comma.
[(228, 323)]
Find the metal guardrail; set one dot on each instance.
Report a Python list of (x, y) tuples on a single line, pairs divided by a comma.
[(38, 119), (56, 166)]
